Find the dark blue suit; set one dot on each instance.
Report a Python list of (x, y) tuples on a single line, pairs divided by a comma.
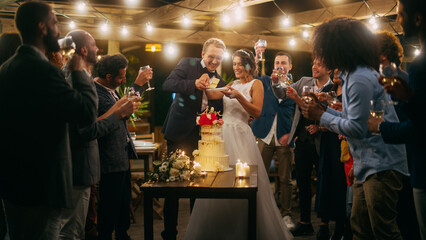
[(115, 150), (271, 107)]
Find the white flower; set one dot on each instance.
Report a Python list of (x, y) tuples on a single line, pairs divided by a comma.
[(198, 120), (215, 122), (178, 164), (195, 153), (162, 168), (165, 164), (172, 178), (174, 172), (219, 167), (183, 176)]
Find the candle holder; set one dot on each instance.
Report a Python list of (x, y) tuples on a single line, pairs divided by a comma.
[(242, 170), (203, 174)]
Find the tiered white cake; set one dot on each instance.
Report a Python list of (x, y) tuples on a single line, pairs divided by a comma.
[(211, 148)]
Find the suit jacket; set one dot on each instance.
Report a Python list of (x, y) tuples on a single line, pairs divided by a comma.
[(298, 86), (271, 107), (84, 145), (116, 147), (38, 104), (180, 120)]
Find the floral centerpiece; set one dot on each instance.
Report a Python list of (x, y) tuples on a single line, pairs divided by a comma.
[(209, 117), (175, 166)]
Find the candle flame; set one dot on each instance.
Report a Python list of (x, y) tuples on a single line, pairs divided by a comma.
[(183, 153)]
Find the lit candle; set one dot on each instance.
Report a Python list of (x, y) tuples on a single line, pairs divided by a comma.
[(197, 168), (238, 168), (183, 153), (246, 170), (203, 174)]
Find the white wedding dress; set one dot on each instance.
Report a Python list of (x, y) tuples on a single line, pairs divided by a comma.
[(227, 218)]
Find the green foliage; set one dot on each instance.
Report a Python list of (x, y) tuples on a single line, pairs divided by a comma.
[(227, 79)]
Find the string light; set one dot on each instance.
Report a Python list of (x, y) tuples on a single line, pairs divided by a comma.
[(124, 30), (72, 24), (186, 21), (239, 13), (292, 42), (305, 34), (171, 50), (132, 2), (81, 6), (416, 52), (149, 27), (285, 21), (226, 20), (226, 55), (105, 27), (372, 20)]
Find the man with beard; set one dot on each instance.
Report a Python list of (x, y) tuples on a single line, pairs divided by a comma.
[(115, 150), (84, 147), (36, 185), (411, 16)]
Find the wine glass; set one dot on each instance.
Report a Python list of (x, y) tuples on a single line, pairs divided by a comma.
[(377, 109), (149, 85), (306, 93), (260, 44), (388, 74)]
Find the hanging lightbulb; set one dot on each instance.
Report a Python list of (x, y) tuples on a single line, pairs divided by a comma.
[(372, 20), (149, 27), (292, 42), (226, 20), (124, 30), (285, 21), (226, 55), (81, 6), (132, 2), (305, 34), (171, 50), (416, 52), (239, 13), (72, 24), (186, 21), (105, 27)]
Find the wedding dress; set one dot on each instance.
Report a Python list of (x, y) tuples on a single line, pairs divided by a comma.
[(227, 218)]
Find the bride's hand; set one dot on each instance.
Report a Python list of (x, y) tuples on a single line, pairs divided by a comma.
[(231, 92)]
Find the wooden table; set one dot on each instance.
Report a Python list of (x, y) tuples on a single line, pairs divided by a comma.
[(215, 185), (150, 153)]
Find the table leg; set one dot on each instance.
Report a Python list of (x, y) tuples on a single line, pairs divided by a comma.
[(148, 219), (252, 211)]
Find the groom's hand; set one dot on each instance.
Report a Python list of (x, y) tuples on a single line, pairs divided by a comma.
[(203, 82)]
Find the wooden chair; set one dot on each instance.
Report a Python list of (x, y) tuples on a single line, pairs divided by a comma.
[(150, 137)]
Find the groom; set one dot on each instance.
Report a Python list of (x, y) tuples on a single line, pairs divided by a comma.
[(189, 80)]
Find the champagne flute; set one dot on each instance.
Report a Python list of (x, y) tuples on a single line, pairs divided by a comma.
[(388, 74), (261, 44), (306, 93), (332, 98), (149, 85), (377, 109), (67, 46)]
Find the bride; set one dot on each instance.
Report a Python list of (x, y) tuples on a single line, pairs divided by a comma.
[(227, 218)]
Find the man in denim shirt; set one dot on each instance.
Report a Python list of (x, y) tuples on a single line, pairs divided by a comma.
[(347, 44)]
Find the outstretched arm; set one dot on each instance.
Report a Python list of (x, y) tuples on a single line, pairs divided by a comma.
[(256, 92)]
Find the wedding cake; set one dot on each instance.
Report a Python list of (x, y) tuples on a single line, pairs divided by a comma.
[(211, 148)]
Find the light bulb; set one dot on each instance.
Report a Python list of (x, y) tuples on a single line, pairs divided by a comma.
[(124, 30), (149, 27), (72, 24)]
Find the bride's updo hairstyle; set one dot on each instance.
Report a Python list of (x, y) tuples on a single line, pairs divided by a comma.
[(247, 60)]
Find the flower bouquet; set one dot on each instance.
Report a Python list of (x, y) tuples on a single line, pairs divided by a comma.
[(173, 167), (209, 117)]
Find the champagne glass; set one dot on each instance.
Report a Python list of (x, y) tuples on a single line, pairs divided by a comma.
[(377, 109), (149, 85), (67, 45), (388, 74), (306, 93), (332, 98), (262, 45)]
